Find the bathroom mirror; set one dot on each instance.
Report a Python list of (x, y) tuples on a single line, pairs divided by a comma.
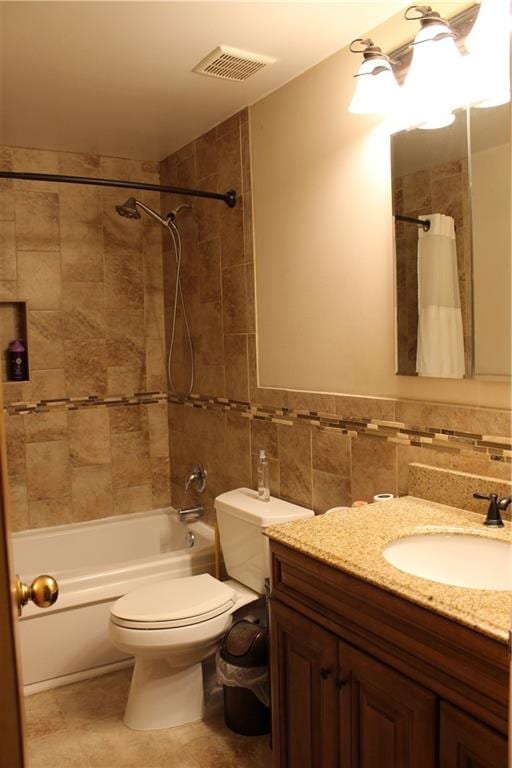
[(453, 281)]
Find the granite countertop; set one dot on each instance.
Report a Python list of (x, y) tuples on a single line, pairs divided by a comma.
[(353, 539)]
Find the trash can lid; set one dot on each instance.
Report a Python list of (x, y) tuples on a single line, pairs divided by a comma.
[(245, 645)]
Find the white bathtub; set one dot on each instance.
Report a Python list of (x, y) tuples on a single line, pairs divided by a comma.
[(95, 563)]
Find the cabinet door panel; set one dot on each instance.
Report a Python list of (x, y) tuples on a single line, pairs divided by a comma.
[(387, 721), (466, 743), (304, 695)]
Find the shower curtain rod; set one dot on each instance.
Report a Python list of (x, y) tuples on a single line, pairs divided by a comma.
[(423, 223), (228, 197)]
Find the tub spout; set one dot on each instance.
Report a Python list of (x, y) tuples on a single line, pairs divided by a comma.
[(190, 514)]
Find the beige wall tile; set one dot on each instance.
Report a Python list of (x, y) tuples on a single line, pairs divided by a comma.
[(18, 503), (83, 311), (43, 427), (8, 251), (46, 342), (125, 337), (331, 452), (311, 401), (48, 385), (91, 489), (238, 450), (15, 438), (330, 490), (39, 279), (86, 367), (158, 430), (264, 437), (365, 408), (128, 418), (295, 464), (130, 459), (81, 234), (232, 251), (37, 221), (47, 512), (237, 367), (374, 467), (6, 203), (419, 414), (89, 436), (209, 274), (134, 499), (76, 164), (234, 300), (489, 421), (126, 379), (47, 470), (160, 482), (124, 280)]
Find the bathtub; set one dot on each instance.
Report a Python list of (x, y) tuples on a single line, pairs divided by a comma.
[(95, 563)]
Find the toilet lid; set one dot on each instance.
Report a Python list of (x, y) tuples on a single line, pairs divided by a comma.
[(174, 602)]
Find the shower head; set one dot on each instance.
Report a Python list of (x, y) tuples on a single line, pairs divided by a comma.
[(128, 209)]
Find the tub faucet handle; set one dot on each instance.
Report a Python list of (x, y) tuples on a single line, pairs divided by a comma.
[(197, 479)]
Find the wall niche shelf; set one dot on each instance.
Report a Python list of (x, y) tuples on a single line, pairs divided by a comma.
[(13, 325)]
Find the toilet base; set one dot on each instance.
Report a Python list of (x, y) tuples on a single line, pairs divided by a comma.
[(162, 696)]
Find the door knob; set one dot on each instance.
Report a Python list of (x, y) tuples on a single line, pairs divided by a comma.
[(43, 592)]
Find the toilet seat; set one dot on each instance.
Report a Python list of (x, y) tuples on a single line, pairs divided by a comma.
[(161, 606)]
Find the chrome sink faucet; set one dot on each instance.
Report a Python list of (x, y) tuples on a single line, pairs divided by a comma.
[(495, 508)]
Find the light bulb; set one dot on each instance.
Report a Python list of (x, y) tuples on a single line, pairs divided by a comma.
[(377, 91), (488, 43), (433, 87)]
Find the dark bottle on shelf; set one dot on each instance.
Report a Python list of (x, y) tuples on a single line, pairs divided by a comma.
[(17, 361)]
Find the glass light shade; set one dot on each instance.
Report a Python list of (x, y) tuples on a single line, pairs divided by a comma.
[(375, 94), (434, 84), (488, 63)]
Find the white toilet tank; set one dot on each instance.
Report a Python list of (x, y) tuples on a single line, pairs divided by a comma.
[(241, 517)]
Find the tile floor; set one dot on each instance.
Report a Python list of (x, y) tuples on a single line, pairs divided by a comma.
[(79, 726)]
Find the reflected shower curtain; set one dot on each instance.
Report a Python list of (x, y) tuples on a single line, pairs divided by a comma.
[(440, 335)]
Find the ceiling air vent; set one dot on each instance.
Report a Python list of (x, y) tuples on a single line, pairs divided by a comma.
[(232, 63)]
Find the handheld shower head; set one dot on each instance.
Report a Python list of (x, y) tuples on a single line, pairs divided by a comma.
[(128, 209)]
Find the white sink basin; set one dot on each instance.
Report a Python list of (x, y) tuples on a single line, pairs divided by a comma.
[(461, 560)]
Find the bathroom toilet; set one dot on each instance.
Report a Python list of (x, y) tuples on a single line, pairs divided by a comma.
[(171, 626)]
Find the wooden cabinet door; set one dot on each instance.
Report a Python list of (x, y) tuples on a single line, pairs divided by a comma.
[(386, 720), (467, 743), (304, 660)]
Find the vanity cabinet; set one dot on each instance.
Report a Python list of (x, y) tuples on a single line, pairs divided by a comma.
[(362, 678)]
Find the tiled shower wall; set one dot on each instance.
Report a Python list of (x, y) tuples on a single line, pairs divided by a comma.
[(94, 291), (319, 466)]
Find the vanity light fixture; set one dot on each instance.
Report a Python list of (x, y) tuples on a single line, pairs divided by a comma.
[(433, 87), (377, 90), (488, 45)]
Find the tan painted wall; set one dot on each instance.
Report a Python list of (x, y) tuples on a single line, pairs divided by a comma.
[(491, 260), (324, 248)]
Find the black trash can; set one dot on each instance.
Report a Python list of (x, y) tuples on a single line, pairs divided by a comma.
[(245, 647)]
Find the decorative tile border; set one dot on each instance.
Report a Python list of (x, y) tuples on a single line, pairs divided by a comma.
[(448, 440), (74, 403)]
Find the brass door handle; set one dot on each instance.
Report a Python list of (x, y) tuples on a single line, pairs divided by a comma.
[(43, 592)]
